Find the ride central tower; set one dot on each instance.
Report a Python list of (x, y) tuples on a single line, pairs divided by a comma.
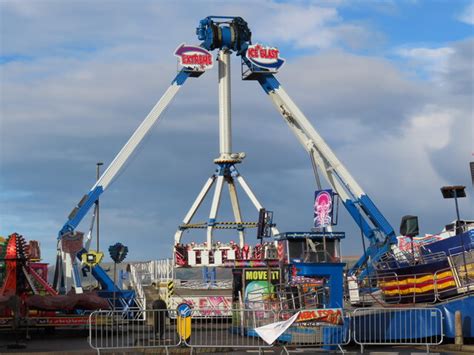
[(227, 35), (225, 113)]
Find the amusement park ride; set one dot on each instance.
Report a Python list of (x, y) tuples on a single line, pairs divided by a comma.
[(286, 252), (259, 63)]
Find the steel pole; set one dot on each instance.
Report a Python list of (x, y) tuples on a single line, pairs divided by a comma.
[(459, 230), (457, 206), (458, 217), (225, 129), (99, 164)]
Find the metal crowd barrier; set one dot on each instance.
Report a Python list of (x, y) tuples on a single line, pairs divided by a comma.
[(222, 332), (114, 330), (142, 329), (397, 326), (145, 329), (312, 333)]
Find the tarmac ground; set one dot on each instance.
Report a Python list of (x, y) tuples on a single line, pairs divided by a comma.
[(67, 341)]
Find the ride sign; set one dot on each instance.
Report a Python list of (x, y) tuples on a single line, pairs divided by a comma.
[(316, 316), (328, 315), (92, 258), (264, 57), (184, 321), (118, 252), (194, 57), (323, 208)]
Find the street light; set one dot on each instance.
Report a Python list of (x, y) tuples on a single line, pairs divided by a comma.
[(455, 192), (409, 228), (471, 165), (98, 165)]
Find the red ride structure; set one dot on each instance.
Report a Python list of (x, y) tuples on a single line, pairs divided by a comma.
[(23, 276), (25, 293)]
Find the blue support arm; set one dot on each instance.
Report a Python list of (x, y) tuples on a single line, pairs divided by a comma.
[(113, 169), (83, 207), (373, 224), (80, 211)]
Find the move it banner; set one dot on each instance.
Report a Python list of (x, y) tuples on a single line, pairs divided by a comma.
[(323, 208), (260, 286)]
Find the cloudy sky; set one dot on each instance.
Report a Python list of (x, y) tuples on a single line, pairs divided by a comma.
[(388, 84)]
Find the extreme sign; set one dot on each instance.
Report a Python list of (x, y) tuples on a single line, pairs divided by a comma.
[(194, 57), (264, 57)]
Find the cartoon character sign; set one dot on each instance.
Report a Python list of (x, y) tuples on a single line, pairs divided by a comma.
[(322, 208)]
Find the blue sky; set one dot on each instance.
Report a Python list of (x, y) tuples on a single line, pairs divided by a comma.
[(417, 22), (388, 84)]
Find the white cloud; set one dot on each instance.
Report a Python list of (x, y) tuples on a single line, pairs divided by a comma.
[(434, 54), (314, 27), (430, 126), (304, 26), (430, 62), (64, 31), (23, 8), (66, 109), (467, 16), (369, 90), (397, 171)]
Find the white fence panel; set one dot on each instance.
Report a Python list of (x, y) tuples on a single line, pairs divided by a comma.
[(119, 330), (397, 326)]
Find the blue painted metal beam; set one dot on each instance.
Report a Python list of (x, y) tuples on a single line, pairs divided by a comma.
[(363, 211), (81, 212)]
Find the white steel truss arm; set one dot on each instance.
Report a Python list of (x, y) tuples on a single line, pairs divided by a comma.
[(297, 120), (311, 148), (214, 209), (119, 161), (199, 199), (251, 195), (236, 208), (364, 212), (138, 135), (82, 208), (197, 203)]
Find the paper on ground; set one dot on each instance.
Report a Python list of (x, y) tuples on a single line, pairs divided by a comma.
[(270, 332)]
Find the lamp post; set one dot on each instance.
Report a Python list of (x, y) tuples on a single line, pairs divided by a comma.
[(98, 165), (457, 192), (409, 228), (471, 166), (118, 253)]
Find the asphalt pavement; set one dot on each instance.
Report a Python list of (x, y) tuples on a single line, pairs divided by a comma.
[(40, 341)]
